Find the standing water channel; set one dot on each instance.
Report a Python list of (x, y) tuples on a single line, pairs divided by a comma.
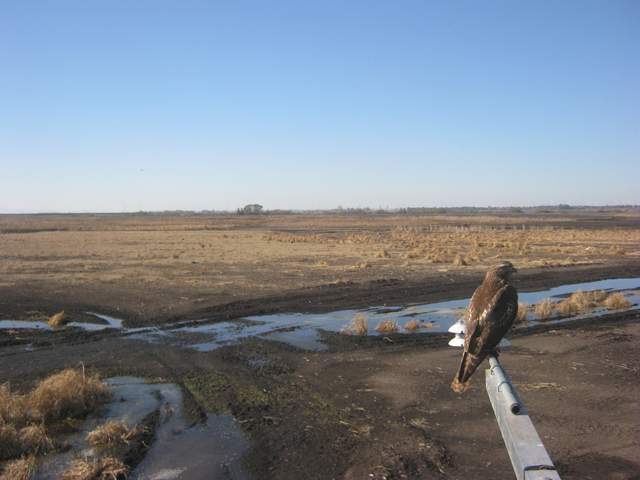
[(302, 330), (207, 451)]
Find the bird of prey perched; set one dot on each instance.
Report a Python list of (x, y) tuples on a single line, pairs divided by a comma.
[(491, 312)]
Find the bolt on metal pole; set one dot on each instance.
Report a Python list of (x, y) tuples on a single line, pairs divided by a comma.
[(528, 456)]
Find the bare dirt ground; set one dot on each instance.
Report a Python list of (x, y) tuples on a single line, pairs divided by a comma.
[(366, 408)]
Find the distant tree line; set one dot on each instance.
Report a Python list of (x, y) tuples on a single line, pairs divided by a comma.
[(257, 209), (251, 209)]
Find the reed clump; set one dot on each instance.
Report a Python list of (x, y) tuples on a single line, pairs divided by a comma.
[(24, 418), (20, 469), (13, 407), (105, 468), (583, 302), (114, 434), (10, 446), (69, 393), (14, 443), (34, 439), (544, 309), (359, 325), (617, 301), (413, 325), (58, 320), (387, 326), (523, 310), (567, 307)]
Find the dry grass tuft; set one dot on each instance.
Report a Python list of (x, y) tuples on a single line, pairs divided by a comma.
[(581, 302), (114, 434), (34, 439), (67, 394), (585, 301), (521, 316), (567, 307), (10, 446), (387, 326), (413, 325), (617, 301), (459, 261), (359, 325), (106, 468), (544, 309), (12, 407), (22, 469), (58, 320), (598, 296)]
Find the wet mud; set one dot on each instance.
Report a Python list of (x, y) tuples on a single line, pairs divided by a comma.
[(377, 406)]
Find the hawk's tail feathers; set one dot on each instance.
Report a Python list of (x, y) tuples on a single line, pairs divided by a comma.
[(458, 386), (468, 365)]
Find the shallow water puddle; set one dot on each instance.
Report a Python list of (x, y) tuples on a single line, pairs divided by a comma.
[(211, 451), (112, 322), (179, 451), (302, 330)]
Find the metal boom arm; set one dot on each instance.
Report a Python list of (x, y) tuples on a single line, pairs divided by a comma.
[(529, 458)]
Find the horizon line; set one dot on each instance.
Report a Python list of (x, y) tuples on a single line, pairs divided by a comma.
[(371, 210)]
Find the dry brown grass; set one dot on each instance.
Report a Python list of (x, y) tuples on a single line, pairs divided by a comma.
[(617, 301), (34, 439), (105, 468), (58, 320), (23, 418), (69, 393), (459, 261), (544, 309), (359, 325), (581, 302), (413, 325), (567, 307), (586, 301), (10, 446), (13, 409), (387, 326), (275, 253), (31, 439), (521, 316), (114, 434), (21, 469)]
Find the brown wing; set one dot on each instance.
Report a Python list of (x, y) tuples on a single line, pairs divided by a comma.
[(494, 322), (485, 330)]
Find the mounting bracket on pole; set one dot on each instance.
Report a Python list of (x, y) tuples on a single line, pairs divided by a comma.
[(529, 458)]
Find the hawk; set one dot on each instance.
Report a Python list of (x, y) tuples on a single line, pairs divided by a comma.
[(491, 312)]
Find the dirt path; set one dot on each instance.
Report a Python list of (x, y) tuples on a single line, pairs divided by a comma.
[(20, 301)]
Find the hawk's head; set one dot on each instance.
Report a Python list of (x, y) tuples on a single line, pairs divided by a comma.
[(503, 270)]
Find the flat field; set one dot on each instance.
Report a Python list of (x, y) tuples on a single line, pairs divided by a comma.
[(367, 407), (149, 268)]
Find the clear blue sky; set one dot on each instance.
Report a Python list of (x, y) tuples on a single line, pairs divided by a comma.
[(115, 105)]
